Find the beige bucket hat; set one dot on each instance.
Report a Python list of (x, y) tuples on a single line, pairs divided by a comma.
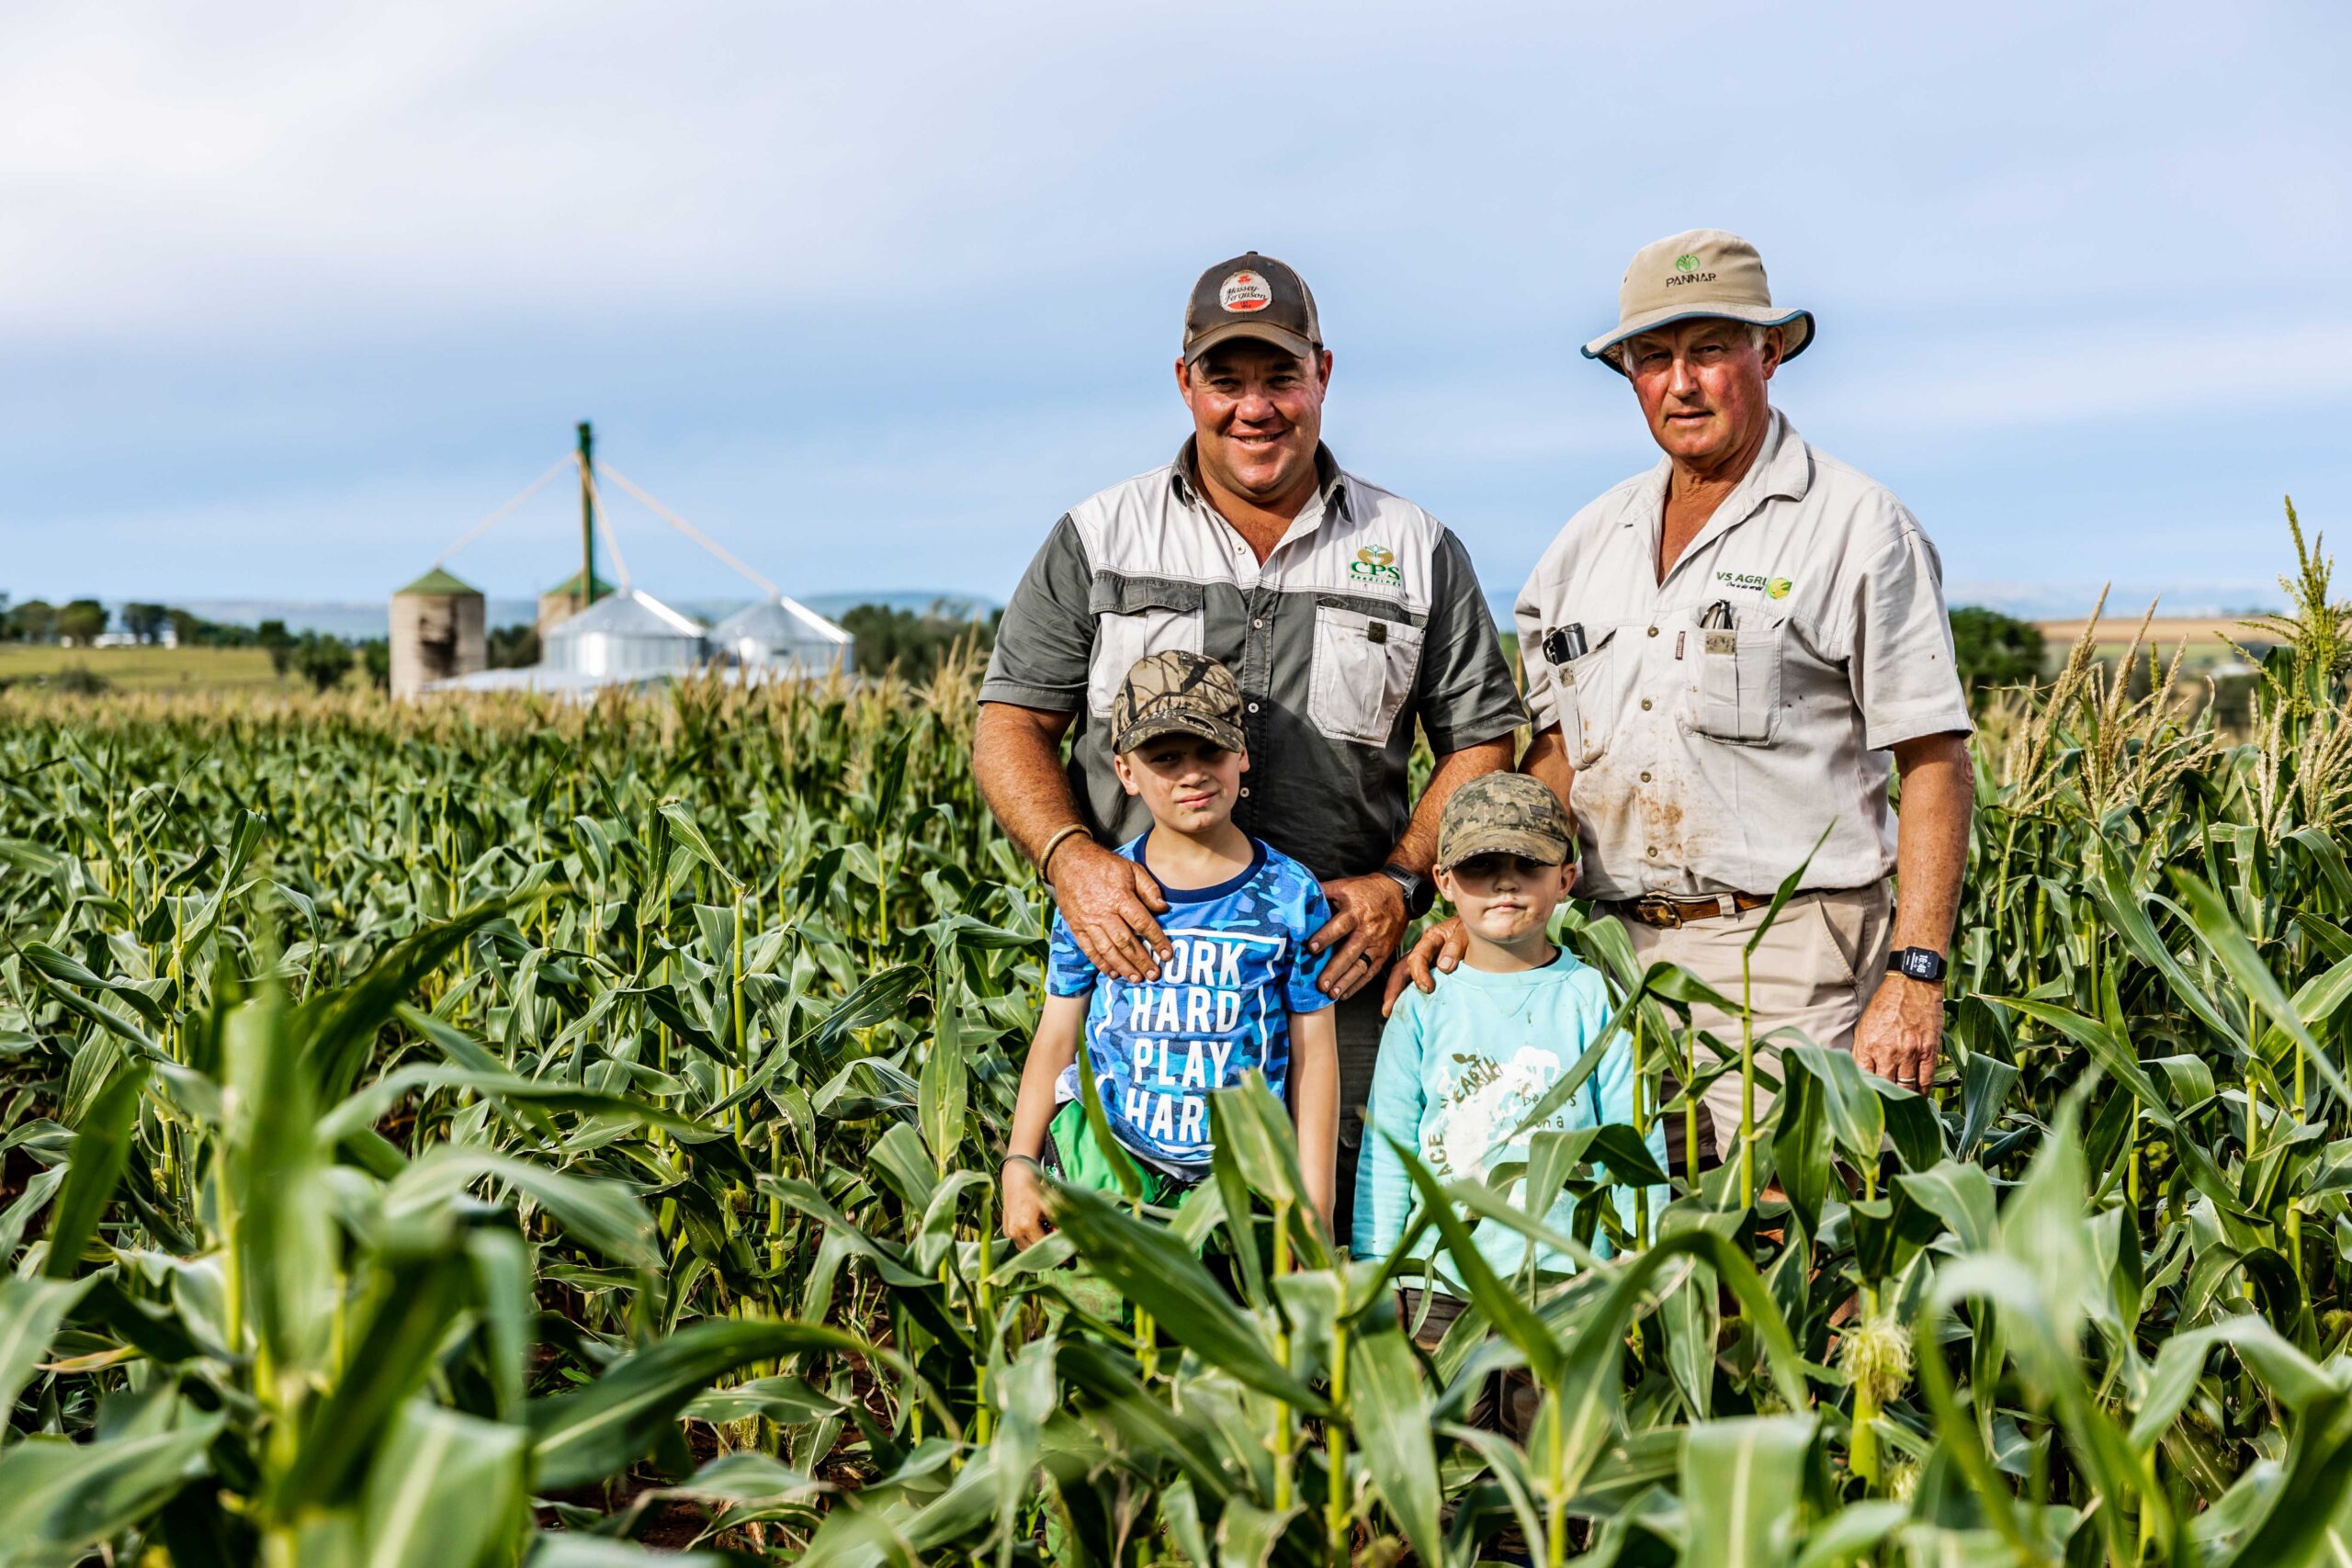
[(1700, 272)]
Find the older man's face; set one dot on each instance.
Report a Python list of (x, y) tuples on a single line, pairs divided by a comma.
[(1701, 388), (1258, 414)]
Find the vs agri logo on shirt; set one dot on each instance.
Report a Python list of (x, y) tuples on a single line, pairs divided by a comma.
[(1756, 582)]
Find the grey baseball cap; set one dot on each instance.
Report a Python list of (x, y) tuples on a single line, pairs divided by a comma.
[(1252, 296), (1698, 273), (1509, 814)]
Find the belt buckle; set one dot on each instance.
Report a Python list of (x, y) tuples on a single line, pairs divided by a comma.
[(1656, 909)]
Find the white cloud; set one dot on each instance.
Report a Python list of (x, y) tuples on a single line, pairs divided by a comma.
[(874, 289)]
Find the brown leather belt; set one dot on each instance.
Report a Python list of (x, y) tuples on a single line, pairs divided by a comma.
[(1667, 914)]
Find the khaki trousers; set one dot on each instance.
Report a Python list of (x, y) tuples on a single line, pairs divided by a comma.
[(1816, 970)]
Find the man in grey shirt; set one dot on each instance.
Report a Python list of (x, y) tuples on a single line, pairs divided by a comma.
[(1348, 615)]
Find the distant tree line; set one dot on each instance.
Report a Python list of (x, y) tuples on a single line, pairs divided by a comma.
[(320, 657), (512, 647), (83, 621), (1993, 649), (914, 644)]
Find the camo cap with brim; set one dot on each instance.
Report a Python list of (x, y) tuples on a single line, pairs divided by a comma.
[(1698, 274), (1506, 814), (1177, 692)]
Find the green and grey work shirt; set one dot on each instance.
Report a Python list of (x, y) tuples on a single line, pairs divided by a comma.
[(1364, 618), (1719, 721)]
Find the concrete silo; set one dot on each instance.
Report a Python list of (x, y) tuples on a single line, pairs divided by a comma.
[(562, 602), (437, 632)]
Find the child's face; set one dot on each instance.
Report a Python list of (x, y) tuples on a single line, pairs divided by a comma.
[(1189, 785), (1502, 898)]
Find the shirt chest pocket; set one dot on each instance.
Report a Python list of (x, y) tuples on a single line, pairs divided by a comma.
[(1585, 702), (1133, 617), (1738, 697), (1363, 674)]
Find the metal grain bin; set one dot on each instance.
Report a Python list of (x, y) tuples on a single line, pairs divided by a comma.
[(437, 632), (784, 636), (629, 634)]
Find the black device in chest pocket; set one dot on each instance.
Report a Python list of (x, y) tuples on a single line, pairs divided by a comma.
[(1561, 644)]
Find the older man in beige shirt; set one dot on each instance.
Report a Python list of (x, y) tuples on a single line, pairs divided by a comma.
[(1726, 658)]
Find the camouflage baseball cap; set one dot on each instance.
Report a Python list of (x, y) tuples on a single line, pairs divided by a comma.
[(1509, 814), (1177, 692)]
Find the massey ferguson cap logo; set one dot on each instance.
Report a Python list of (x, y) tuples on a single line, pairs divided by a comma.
[(1245, 292)]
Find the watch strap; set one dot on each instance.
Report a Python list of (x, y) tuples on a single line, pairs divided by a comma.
[(1919, 963), (1418, 890)]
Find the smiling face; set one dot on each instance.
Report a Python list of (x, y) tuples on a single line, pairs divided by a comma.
[(1701, 388), (1505, 899), (1257, 417), (1189, 785)]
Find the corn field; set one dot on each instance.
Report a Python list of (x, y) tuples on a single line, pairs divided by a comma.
[(502, 1132)]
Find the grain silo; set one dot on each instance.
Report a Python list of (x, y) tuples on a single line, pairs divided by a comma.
[(562, 602), (628, 634), (783, 637), (437, 632)]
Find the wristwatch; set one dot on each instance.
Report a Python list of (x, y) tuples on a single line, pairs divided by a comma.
[(1917, 964), (1419, 891)]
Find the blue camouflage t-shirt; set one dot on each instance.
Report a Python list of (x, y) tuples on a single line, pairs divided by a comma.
[(1221, 1005)]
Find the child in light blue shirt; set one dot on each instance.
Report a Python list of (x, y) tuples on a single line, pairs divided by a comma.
[(1461, 1066)]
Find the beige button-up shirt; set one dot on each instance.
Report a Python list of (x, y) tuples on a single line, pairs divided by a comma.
[(1721, 720)]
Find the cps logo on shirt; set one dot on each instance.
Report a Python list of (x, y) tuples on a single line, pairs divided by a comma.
[(1376, 564)]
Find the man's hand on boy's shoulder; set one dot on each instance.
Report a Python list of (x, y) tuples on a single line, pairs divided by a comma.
[(1367, 917), (1439, 948), (1108, 901)]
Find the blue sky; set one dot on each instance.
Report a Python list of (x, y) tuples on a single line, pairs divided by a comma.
[(290, 295)]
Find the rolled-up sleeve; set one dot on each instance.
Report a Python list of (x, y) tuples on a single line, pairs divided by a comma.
[(1046, 635), (1465, 693), (1905, 679)]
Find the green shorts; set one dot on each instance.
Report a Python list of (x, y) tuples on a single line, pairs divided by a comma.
[(1075, 1158)]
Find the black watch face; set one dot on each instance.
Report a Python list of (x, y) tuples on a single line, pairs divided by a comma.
[(1920, 964)]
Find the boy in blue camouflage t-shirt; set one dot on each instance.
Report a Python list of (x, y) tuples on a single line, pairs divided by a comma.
[(1236, 993)]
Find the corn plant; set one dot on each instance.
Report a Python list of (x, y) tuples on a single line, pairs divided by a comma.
[(505, 1131)]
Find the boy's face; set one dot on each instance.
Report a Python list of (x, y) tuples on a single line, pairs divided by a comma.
[(1502, 898), (1189, 785)]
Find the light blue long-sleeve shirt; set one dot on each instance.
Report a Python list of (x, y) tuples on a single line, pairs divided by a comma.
[(1459, 1068)]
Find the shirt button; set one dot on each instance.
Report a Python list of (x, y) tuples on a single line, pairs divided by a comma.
[(1653, 852), (1260, 623), (1253, 707), (1646, 705), (1646, 778), (1653, 631), (1245, 794)]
